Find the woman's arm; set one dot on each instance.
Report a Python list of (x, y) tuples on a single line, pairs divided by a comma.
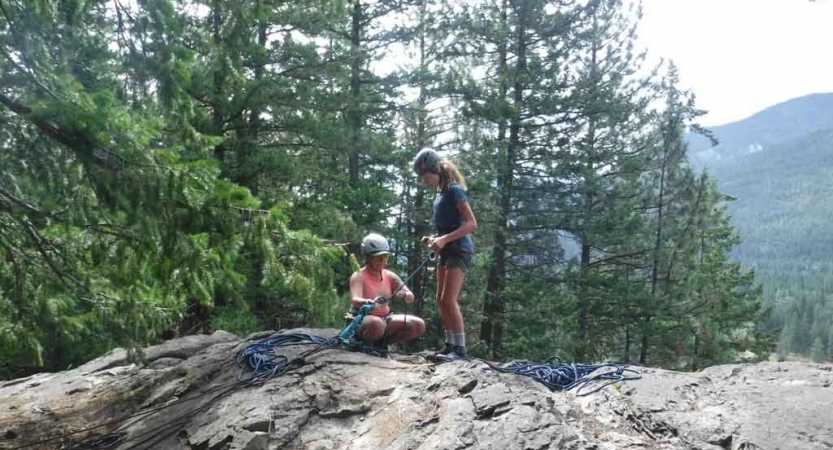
[(404, 292), (356, 289)]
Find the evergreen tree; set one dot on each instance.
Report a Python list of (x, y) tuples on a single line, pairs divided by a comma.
[(817, 353), (519, 45), (609, 105), (786, 342)]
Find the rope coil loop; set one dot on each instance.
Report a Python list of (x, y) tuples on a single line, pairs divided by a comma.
[(559, 376)]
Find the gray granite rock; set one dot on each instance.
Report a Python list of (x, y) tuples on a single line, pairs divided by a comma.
[(186, 394)]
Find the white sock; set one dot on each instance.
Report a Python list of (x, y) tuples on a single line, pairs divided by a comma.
[(459, 339)]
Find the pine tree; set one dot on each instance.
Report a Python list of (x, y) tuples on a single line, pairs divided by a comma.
[(691, 281), (817, 353), (603, 157), (518, 45), (786, 342)]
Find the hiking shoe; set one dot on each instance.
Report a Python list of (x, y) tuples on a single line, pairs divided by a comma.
[(447, 349), (457, 353)]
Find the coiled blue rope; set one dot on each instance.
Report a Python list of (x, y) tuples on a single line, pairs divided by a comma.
[(559, 376), (264, 360)]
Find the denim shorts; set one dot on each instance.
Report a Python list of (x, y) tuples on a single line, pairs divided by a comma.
[(453, 259)]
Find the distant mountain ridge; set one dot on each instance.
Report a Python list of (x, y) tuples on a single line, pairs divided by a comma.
[(778, 164), (774, 125)]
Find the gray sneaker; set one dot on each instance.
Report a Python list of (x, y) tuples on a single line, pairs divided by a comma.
[(447, 349), (457, 353)]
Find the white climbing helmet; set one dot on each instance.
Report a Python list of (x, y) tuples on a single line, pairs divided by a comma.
[(375, 244)]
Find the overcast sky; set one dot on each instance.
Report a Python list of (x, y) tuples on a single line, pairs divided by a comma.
[(741, 56)]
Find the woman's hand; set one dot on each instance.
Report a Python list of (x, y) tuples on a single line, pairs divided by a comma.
[(435, 243)]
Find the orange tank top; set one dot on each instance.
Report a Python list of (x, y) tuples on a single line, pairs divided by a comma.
[(373, 287)]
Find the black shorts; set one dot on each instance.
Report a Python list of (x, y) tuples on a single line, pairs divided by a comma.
[(455, 259)]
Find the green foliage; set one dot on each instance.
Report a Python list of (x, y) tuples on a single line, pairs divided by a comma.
[(235, 320)]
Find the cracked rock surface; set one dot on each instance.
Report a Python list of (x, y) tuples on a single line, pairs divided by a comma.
[(186, 395)]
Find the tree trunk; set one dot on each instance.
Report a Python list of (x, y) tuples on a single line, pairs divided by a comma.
[(216, 112), (250, 180), (354, 119), (583, 302), (694, 356), (499, 325), (627, 358), (587, 214), (419, 223), (494, 284), (658, 242)]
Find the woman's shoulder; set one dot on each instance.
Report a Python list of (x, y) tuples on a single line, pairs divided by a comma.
[(390, 273), (359, 274), (455, 186), (457, 192)]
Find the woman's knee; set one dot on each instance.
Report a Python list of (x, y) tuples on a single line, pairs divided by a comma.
[(372, 328), (449, 303), (417, 327)]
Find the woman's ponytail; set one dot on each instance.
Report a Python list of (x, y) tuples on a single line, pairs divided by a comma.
[(449, 173)]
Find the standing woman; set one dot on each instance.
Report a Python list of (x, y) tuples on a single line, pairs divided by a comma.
[(454, 222)]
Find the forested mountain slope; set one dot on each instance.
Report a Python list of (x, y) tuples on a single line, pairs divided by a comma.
[(778, 165)]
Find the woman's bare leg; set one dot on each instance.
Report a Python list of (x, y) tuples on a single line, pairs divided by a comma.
[(372, 329), (453, 283), (441, 275), (402, 328)]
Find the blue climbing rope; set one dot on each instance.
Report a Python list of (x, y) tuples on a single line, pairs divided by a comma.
[(264, 360), (559, 376)]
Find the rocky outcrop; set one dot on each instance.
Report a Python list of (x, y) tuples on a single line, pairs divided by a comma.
[(186, 395)]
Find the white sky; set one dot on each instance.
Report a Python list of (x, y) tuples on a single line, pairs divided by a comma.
[(741, 56)]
